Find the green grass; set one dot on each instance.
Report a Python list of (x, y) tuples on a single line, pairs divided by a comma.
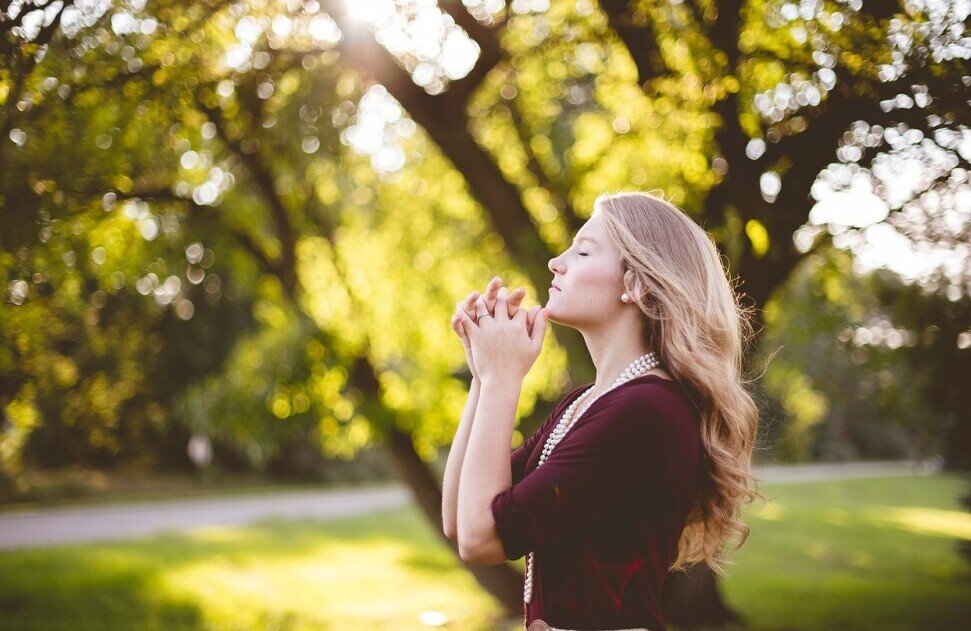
[(860, 554)]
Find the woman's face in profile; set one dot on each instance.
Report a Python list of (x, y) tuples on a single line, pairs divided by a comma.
[(588, 279)]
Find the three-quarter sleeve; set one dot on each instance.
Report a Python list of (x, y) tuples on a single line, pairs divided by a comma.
[(521, 454), (560, 499), (613, 454)]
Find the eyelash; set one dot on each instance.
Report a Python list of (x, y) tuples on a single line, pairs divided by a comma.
[(583, 253)]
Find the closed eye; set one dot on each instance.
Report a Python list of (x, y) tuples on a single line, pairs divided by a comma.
[(583, 253)]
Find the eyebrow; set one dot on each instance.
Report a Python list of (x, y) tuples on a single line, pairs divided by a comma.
[(578, 239)]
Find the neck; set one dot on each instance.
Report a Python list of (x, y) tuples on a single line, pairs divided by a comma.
[(612, 355)]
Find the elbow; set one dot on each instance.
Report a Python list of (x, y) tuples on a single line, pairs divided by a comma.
[(449, 522), (451, 532), (473, 555), (478, 540), (481, 553), (465, 546), (466, 553)]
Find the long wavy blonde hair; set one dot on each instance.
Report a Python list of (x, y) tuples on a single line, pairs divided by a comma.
[(700, 331)]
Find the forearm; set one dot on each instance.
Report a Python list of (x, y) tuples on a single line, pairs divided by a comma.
[(486, 471), (453, 466)]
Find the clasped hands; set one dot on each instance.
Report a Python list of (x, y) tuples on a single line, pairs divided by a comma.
[(504, 344)]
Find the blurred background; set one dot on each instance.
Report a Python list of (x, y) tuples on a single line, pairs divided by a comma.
[(232, 235)]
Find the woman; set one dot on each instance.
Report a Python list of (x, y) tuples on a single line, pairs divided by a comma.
[(639, 473)]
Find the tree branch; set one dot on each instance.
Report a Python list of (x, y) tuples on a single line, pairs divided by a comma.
[(444, 119), (640, 42), (265, 184), (563, 204)]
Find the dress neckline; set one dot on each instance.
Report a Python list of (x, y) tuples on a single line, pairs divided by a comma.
[(579, 390), (654, 376), (585, 387)]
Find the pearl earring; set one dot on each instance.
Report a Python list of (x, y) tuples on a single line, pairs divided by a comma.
[(625, 297)]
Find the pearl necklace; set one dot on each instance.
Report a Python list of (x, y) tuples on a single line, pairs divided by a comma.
[(637, 368)]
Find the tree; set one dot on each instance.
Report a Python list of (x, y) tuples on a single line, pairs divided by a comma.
[(733, 108), (861, 361)]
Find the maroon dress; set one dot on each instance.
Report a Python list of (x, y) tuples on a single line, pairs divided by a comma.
[(604, 513)]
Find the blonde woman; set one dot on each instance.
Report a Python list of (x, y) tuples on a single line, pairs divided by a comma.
[(637, 474)]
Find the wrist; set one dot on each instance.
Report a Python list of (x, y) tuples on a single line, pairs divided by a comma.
[(501, 380)]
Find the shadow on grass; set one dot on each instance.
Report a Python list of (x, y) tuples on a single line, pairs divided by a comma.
[(867, 554), (70, 591), (871, 554), (274, 574)]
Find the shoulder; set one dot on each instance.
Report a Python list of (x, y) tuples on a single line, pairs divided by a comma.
[(658, 396), (649, 408)]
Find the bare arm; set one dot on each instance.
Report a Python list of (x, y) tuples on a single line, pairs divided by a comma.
[(456, 454), (486, 471), (453, 467)]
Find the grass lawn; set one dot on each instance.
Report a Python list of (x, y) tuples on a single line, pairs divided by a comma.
[(858, 554)]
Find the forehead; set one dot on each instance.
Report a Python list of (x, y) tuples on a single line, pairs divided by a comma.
[(591, 231)]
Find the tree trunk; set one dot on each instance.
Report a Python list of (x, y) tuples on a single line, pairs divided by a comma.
[(692, 599), (502, 581)]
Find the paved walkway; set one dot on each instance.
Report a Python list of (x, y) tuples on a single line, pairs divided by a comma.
[(821, 471), (130, 520)]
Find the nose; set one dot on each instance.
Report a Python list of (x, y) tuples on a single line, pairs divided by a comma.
[(555, 267)]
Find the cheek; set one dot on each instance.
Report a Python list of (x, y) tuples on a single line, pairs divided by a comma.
[(605, 278), (599, 282)]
